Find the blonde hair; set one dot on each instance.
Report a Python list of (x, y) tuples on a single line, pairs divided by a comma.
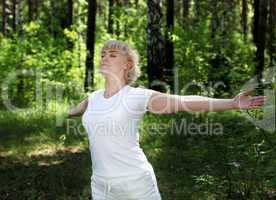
[(132, 55)]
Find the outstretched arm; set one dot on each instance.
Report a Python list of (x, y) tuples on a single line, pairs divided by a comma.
[(79, 109), (165, 103)]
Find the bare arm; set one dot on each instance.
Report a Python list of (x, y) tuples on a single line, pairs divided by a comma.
[(165, 103), (79, 109)]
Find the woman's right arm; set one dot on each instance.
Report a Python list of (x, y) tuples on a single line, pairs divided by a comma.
[(79, 109)]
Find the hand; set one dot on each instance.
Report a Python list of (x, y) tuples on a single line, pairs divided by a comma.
[(245, 101)]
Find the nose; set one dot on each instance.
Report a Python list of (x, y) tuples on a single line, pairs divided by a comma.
[(104, 58)]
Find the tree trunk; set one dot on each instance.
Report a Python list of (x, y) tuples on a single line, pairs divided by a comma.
[(90, 41), (36, 9), (79, 34), (136, 3), (244, 19), (259, 32), (155, 49), (4, 18), (30, 7), (272, 32), (69, 13), (20, 19), (169, 45), (214, 19), (118, 31), (14, 16), (197, 11), (21, 84), (186, 8), (110, 17), (53, 18), (69, 23)]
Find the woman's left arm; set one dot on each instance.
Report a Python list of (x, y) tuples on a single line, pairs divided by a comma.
[(161, 103)]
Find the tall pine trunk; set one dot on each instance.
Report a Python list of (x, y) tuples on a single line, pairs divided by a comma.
[(14, 15), (79, 34), (272, 32), (118, 6), (259, 35), (244, 19), (110, 16), (90, 41), (169, 47), (69, 23), (30, 12), (4, 17), (186, 9), (214, 19), (69, 13), (155, 48), (21, 83), (136, 2), (197, 11)]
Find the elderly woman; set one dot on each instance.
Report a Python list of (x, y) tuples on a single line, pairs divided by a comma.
[(111, 118)]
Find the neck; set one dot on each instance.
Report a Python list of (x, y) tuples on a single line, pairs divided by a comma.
[(113, 86)]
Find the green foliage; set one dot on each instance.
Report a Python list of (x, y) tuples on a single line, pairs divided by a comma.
[(40, 71), (202, 165)]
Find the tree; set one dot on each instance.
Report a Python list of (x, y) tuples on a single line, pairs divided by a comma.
[(214, 18), (197, 11), (30, 7), (21, 83), (70, 6), (186, 8), (4, 17), (136, 2), (222, 27), (14, 15), (259, 33), (244, 18), (169, 47), (90, 41), (69, 22), (110, 16), (272, 32), (155, 48), (118, 5), (20, 19)]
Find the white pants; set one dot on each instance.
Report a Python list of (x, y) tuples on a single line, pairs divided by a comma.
[(139, 187)]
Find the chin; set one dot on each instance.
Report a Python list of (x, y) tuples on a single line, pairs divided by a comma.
[(103, 72)]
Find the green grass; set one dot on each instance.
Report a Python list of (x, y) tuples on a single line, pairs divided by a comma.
[(39, 160)]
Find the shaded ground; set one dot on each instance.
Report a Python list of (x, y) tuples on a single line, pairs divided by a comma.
[(64, 175), (40, 161)]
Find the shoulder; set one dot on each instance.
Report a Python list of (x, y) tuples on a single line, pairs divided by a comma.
[(140, 91), (139, 97), (94, 93)]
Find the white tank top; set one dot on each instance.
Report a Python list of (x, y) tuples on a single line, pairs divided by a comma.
[(112, 125)]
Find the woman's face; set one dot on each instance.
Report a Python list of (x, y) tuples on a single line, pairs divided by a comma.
[(113, 63)]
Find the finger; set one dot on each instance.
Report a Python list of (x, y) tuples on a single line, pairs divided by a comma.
[(259, 97), (257, 103), (255, 106)]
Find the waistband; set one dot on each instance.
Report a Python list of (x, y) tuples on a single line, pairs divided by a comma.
[(108, 181)]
